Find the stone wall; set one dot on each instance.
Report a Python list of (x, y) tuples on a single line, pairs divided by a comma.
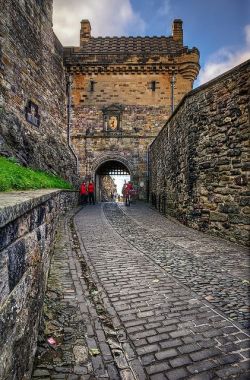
[(129, 88), (199, 163), (32, 88), (27, 228)]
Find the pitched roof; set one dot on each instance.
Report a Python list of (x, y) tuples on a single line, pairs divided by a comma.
[(129, 45)]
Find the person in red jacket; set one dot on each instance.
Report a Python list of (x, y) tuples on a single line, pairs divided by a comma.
[(91, 190), (83, 193), (128, 187)]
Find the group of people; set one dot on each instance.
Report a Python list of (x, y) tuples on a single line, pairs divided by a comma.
[(87, 192)]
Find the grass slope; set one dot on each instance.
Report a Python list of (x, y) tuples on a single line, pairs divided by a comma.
[(16, 177)]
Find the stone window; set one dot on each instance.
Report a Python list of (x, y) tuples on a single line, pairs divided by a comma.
[(153, 85), (92, 86)]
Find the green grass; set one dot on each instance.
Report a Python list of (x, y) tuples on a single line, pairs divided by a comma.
[(13, 176)]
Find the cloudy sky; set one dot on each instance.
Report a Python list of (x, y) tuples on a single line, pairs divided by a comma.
[(220, 29)]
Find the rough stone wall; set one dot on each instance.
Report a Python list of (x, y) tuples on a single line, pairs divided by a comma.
[(31, 70), (199, 161), (27, 229)]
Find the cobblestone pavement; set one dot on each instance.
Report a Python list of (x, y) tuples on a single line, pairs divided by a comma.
[(74, 319), (124, 301), (212, 267)]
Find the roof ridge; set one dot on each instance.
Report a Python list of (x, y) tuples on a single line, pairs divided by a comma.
[(119, 37)]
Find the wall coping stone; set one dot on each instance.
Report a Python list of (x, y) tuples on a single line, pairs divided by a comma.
[(13, 204)]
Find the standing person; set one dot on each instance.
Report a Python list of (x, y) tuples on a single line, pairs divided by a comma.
[(83, 193), (128, 189), (123, 190), (91, 190)]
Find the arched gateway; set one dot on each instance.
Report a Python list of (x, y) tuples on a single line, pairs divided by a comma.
[(105, 179), (105, 169), (114, 159)]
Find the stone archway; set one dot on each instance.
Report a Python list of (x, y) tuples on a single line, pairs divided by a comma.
[(112, 156), (103, 168)]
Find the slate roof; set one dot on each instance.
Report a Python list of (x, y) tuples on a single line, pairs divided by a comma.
[(130, 45)]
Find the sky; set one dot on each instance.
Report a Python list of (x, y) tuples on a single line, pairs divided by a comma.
[(220, 29)]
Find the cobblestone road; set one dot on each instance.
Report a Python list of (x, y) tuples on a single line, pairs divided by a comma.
[(133, 283), (212, 267)]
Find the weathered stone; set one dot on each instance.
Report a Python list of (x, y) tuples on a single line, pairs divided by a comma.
[(193, 162), (25, 272), (246, 210), (244, 201), (33, 123), (234, 152), (41, 373), (217, 217), (81, 354), (239, 219), (228, 208), (241, 180), (80, 370)]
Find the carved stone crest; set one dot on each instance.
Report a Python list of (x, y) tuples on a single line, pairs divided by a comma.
[(112, 116)]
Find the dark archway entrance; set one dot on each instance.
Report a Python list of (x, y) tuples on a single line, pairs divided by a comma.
[(110, 176)]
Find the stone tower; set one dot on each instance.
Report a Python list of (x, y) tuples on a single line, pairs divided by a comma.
[(123, 91)]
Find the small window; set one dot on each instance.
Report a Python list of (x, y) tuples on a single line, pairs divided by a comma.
[(32, 113), (92, 86), (153, 85)]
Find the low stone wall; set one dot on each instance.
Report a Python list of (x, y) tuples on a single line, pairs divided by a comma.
[(27, 229), (198, 162)]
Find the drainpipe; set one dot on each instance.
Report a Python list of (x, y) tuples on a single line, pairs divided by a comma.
[(172, 92), (148, 175), (68, 78)]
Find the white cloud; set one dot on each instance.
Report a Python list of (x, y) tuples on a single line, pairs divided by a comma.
[(107, 18), (225, 59), (164, 9)]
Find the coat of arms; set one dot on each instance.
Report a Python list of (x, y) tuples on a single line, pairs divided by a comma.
[(113, 122), (112, 117)]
